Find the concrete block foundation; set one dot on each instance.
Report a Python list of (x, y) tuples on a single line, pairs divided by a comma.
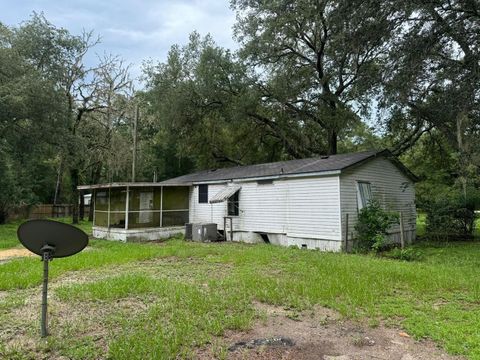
[(132, 235)]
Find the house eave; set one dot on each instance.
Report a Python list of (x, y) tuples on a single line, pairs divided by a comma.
[(127, 184), (271, 177)]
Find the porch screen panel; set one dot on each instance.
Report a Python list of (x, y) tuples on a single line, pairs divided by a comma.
[(118, 198), (144, 219), (175, 206), (144, 208), (101, 208), (101, 219)]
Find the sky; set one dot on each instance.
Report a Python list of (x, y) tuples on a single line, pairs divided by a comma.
[(136, 30)]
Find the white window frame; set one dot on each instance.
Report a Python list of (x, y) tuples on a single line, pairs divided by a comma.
[(362, 202)]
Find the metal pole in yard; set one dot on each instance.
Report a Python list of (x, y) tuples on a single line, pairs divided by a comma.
[(161, 206), (402, 236), (225, 228), (134, 159), (47, 252), (93, 201), (127, 205), (108, 213), (43, 324)]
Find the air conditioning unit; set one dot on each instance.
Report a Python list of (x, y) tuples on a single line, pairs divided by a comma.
[(188, 231), (204, 232)]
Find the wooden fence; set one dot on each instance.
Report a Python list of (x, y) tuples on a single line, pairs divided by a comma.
[(43, 211)]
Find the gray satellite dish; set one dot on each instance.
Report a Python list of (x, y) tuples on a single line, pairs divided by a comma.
[(50, 239)]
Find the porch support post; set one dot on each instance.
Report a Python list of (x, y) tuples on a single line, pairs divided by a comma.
[(225, 228), (161, 206), (92, 203), (345, 248), (126, 208)]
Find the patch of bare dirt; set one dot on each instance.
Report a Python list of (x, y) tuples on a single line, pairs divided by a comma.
[(10, 254), (13, 253), (322, 334), (88, 319)]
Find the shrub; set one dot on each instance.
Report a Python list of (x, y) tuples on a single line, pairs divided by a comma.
[(449, 216), (372, 226), (407, 254)]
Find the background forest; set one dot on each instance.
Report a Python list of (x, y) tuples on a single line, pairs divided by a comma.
[(308, 78)]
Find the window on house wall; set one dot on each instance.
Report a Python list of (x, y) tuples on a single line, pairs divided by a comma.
[(233, 204), (203, 194), (364, 194)]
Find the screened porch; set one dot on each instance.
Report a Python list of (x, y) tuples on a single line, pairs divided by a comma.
[(137, 206)]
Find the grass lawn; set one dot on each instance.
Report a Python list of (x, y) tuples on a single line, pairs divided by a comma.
[(151, 301), (8, 232)]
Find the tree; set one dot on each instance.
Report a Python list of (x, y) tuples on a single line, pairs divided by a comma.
[(318, 61), (435, 62), (200, 98), (30, 105), (82, 91), (433, 87)]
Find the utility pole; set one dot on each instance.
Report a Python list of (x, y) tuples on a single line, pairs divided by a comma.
[(135, 122)]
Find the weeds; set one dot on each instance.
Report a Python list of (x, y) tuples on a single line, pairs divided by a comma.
[(164, 301)]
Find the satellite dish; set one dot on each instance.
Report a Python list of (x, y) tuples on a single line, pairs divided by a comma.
[(50, 239), (66, 239)]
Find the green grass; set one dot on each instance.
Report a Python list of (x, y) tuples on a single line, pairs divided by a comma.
[(186, 315), (8, 235), (421, 218), (141, 301), (8, 232)]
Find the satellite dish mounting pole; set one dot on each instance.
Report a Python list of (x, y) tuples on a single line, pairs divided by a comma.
[(50, 239), (47, 254)]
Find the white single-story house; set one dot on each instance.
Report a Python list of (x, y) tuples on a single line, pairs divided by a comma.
[(305, 203)]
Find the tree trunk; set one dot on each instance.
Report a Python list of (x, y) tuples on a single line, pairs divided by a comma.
[(81, 212), (3, 216), (58, 184), (332, 142), (96, 172), (74, 180)]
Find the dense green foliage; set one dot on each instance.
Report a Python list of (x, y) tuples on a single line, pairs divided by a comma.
[(406, 254), (315, 77), (451, 215), (372, 226), (60, 120), (308, 78)]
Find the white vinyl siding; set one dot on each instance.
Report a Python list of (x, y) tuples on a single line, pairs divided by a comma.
[(391, 187), (312, 207), (304, 207), (206, 212), (263, 208)]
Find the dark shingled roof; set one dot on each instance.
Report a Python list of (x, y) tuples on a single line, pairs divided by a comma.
[(300, 166)]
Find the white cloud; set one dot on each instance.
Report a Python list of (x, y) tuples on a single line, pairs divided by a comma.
[(136, 30)]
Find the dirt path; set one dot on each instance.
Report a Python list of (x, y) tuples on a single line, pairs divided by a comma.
[(12, 253), (323, 335)]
